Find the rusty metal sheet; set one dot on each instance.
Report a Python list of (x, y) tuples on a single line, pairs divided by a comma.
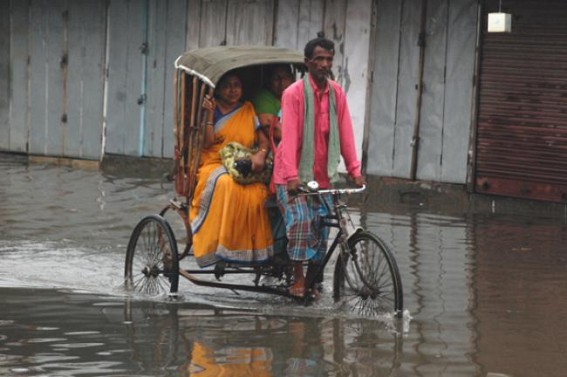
[(521, 146)]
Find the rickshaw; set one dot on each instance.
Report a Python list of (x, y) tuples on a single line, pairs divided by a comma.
[(366, 278)]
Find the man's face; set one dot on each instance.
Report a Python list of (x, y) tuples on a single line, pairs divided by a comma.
[(320, 64)]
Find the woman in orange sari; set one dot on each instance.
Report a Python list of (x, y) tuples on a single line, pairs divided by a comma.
[(229, 220)]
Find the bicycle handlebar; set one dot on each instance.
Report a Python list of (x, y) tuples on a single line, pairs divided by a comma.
[(343, 190), (334, 191)]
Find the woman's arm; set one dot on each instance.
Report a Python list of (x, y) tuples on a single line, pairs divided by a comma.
[(209, 105), (259, 158)]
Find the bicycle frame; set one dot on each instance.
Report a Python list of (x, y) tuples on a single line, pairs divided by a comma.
[(336, 218)]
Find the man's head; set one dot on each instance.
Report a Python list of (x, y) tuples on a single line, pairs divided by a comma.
[(319, 53)]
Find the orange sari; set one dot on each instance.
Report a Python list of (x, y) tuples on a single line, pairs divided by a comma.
[(229, 221), (230, 361)]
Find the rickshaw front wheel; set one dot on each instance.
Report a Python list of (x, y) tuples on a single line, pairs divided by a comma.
[(152, 265), (367, 279)]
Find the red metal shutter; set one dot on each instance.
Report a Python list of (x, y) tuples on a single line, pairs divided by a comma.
[(522, 120)]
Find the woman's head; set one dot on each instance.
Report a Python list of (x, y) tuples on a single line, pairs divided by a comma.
[(279, 78), (229, 89)]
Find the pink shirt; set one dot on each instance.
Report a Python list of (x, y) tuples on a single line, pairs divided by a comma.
[(288, 154)]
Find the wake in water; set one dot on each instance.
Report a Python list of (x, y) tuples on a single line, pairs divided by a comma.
[(66, 266)]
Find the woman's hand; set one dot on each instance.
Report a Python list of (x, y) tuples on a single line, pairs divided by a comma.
[(209, 103), (259, 160)]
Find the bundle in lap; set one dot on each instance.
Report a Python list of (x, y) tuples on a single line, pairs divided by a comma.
[(236, 159)]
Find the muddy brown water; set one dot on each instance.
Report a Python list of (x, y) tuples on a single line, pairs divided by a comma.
[(484, 293)]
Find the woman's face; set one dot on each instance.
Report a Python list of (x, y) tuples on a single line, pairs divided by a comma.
[(279, 81), (230, 90)]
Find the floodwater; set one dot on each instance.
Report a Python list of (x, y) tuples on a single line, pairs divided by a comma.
[(484, 293)]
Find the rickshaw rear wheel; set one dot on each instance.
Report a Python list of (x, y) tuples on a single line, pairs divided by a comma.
[(152, 265), (366, 278)]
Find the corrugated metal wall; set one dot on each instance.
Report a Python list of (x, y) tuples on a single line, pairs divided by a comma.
[(291, 24), (84, 81), (439, 120), (230, 22), (522, 122), (101, 71), (64, 60), (18, 125), (127, 38), (48, 71), (4, 75), (66, 65), (144, 38)]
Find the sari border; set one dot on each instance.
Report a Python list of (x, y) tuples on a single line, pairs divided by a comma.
[(206, 198), (249, 256), (238, 257)]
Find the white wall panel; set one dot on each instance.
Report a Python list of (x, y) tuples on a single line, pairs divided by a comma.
[(47, 48), (355, 64), (166, 41), (250, 22), (4, 75), (126, 29), (445, 112), (85, 79), (19, 78)]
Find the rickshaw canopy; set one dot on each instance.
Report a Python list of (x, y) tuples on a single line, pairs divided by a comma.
[(210, 63)]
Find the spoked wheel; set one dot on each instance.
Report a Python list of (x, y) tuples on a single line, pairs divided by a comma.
[(367, 278), (152, 266)]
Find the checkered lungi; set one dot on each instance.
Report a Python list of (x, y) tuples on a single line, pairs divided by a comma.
[(306, 241)]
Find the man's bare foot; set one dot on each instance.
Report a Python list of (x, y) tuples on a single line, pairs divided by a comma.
[(297, 289)]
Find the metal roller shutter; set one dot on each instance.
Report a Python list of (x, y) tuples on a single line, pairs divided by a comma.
[(522, 110)]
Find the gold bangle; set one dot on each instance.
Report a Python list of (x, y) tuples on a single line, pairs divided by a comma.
[(209, 123), (263, 150)]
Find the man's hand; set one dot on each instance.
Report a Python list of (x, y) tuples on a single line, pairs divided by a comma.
[(359, 181), (292, 186)]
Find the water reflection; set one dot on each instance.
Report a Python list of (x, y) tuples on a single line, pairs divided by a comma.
[(217, 342), (484, 289), (519, 284)]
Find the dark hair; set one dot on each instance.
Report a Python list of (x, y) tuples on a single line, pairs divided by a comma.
[(224, 77), (321, 42), (272, 68)]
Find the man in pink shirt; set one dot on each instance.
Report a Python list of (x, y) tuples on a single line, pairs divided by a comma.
[(316, 131)]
